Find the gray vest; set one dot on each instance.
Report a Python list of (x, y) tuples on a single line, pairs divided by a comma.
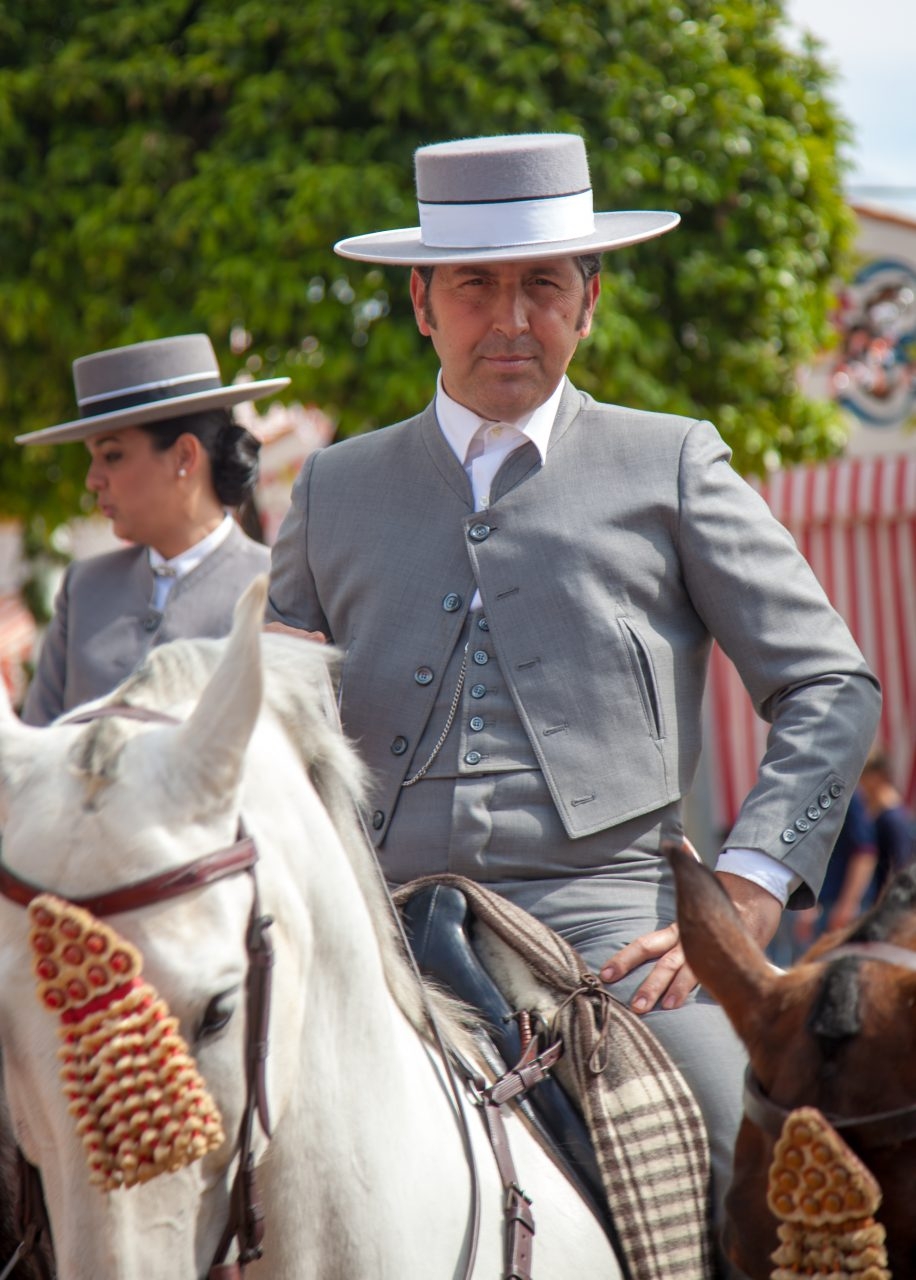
[(485, 733)]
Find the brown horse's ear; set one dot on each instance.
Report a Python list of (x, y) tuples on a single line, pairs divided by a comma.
[(720, 951)]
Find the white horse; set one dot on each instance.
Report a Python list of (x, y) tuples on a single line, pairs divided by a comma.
[(366, 1172)]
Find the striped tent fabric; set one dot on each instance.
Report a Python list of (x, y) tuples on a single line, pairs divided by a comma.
[(855, 522)]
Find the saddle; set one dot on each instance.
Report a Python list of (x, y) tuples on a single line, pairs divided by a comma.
[(623, 1120), (441, 929)]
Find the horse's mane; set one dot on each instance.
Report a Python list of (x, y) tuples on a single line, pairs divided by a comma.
[(298, 690)]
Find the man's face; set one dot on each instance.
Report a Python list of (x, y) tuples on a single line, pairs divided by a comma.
[(504, 331)]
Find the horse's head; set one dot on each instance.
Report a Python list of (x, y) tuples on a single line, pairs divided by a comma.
[(834, 1032), (89, 808)]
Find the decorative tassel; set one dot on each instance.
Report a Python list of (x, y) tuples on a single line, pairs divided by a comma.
[(826, 1199), (140, 1104)]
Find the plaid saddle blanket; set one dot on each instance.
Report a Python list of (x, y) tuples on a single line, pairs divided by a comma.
[(649, 1137)]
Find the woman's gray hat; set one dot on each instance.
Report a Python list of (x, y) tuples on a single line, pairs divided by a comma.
[(525, 195), (148, 382)]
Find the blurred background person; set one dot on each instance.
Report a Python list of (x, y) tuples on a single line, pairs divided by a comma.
[(849, 885), (893, 822), (168, 463)]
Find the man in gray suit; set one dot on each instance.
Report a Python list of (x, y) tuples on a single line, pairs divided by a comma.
[(526, 585)]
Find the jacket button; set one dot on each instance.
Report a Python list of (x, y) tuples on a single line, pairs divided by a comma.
[(825, 800), (476, 723), (479, 532), (789, 836), (378, 820), (802, 825), (423, 675), (451, 602), (836, 789), (478, 690), (813, 812), (481, 657), (399, 746), (482, 624), (473, 757)]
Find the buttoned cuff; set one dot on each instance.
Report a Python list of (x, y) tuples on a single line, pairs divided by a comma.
[(778, 879)]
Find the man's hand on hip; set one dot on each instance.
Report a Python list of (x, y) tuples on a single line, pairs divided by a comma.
[(671, 980)]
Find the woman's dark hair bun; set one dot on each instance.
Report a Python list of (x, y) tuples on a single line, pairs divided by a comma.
[(233, 451)]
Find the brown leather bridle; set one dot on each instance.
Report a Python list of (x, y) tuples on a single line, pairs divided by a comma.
[(246, 1217), (876, 1129)]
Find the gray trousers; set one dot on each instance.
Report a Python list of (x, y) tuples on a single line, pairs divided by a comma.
[(598, 893)]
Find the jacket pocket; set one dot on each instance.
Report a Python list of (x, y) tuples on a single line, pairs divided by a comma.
[(644, 674)]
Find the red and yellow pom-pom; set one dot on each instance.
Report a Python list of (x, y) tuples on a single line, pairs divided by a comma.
[(141, 1106)]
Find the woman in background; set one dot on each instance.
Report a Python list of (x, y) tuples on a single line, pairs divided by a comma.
[(168, 464)]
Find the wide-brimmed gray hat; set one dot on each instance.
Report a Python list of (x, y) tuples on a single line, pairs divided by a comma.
[(524, 195), (148, 382)]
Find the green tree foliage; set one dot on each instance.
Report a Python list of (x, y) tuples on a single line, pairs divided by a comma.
[(182, 165)]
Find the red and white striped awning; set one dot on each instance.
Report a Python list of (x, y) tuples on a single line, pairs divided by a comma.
[(855, 522)]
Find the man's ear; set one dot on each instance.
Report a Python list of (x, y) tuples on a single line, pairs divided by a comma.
[(592, 290), (418, 296)]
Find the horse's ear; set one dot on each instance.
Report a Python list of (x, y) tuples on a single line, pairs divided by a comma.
[(215, 736), (720, 951)]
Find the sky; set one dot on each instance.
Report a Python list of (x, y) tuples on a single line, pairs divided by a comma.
[(872, 45)]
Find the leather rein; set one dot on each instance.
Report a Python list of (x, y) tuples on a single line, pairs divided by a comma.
[(878, 1128), (245, 1223)]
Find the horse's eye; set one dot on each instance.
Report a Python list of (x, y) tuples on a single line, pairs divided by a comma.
[(217, 1014)]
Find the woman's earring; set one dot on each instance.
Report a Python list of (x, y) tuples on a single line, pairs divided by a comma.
[(182, 472)]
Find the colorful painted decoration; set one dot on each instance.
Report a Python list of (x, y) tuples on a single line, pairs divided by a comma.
[(874, 374)]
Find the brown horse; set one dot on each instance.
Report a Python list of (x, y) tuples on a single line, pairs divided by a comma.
[(836, 1032)]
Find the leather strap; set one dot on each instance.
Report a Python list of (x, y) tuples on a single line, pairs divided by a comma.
[(528, 1072), (240, 856), (519, 1220), (885, 952), (246, 1212), (880, 1129)]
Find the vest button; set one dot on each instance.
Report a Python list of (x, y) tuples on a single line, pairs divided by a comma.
[(451, 602), (479, 532), (473, 757), (423, 675), (481, 657), (482, 624), (151, 621), (476, 723), (399, 746), (378, 820), (478, 690)]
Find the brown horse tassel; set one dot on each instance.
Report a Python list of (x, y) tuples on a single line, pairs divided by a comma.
[(826, 1200)]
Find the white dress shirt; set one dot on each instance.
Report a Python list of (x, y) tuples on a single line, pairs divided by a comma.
[(167, 572), (481, 447)]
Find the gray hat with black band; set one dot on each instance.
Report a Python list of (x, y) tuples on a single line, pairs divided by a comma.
[(148, 382), (509, 198)]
